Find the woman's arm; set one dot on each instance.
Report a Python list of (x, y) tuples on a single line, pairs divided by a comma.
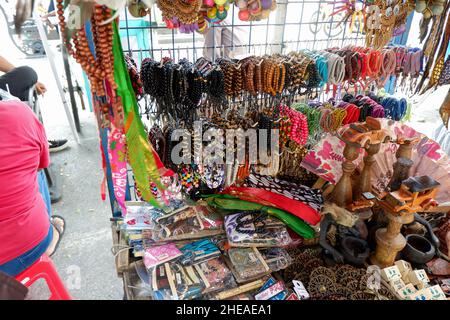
[(5, 65)]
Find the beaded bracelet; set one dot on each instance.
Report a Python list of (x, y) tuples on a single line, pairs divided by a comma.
[(313, 116), (299, 129)]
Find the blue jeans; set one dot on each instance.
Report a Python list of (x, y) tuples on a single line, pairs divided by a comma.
[(23, 262), (43, 189)]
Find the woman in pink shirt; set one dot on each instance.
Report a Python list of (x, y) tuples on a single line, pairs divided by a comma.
[(26, 231)]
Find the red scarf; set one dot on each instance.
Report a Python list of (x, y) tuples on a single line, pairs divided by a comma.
[(272, 199)]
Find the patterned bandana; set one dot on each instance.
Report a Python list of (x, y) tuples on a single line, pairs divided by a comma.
[(309, 196)]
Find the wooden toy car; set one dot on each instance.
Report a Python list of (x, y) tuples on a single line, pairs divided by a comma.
[(366, 133), (415, 194)]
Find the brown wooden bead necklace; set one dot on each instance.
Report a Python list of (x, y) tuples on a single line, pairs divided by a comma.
[(99, 68)]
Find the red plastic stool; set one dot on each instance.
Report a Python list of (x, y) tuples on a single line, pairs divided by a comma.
[(45, 269)]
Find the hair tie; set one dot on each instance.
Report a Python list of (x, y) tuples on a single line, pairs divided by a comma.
[(394, 109), (387, 67)]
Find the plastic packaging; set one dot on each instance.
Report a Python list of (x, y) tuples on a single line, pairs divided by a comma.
[(276, 258), (216, 275), (198, 251), (247, 264), (272, 290), (190, 222), (172, 281), (140, 215), (255, 229), (157, 255)]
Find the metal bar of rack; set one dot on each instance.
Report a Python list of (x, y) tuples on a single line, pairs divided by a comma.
[(304, 26)]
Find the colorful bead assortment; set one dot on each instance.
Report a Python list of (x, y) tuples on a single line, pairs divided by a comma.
[(99, 67), (189, 178), (197, 15), (255, 10), (299, 125)]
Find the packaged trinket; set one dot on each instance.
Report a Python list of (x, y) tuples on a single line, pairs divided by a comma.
[(276, 258), (175, 282), (189, 223), (215, 275), (435, 292), (391, 273), (197, 251), (272, 290), (418, 278), (157, 255), (247, 264), (445, 285), (188, 284), (255, 228), (404, 267), (406, 291), (177, 215), (148, 238), (300, 290), (422, 294), (162, 289), (397, 284), (140, 215)]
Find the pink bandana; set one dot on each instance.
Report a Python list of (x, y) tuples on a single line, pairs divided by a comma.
[(118, 158)]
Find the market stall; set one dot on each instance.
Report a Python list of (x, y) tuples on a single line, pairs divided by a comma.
[(274, 169)]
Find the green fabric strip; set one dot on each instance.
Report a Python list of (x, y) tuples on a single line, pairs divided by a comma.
[(140, 155)]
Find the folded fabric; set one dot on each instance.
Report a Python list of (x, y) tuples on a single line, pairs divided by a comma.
[(309, 196), (255, 228), (228, 202), (273, 199)]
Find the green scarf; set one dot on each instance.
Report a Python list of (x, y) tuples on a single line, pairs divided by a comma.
[(140, 152), (228, 202)]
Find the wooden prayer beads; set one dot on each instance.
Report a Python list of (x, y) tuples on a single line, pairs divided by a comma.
[(99, 68)]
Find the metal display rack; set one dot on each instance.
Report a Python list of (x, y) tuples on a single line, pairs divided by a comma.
[(294, 25)]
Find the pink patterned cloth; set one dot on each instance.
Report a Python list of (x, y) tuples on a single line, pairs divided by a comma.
[(158, 255), (325, 159), (117, 152)]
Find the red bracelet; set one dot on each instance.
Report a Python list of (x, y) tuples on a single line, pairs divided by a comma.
[(352, 114)]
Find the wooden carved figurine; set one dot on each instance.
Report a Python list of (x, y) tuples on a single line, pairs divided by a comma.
[(401, 173), (403, 164), (405, 147), (415, 195), (356, 136)]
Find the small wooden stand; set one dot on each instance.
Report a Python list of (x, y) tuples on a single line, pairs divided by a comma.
[(367, 135), (415, 195), (342, 194), (389, 240), (125, 267)]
